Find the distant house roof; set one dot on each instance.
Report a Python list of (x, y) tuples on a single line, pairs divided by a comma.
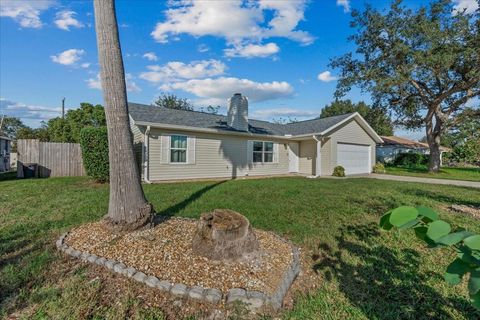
[(153, 114), (393, 140), (5, 138)]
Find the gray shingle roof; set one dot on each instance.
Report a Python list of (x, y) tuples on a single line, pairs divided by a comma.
[(154, 114)]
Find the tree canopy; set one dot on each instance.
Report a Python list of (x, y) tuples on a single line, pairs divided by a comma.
[(377, 118), (463, 137), (171, 101), (423, 64)]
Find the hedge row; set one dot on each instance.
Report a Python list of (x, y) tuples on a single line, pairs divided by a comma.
[(94, 144)]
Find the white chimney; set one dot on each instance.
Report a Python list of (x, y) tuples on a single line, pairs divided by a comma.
[(237, 116)]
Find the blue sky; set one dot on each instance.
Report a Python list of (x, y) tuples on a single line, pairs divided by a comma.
[(275, 52)]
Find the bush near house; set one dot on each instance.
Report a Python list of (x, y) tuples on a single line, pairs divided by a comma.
[(411, 159), (94, 144), (379, 168), (338, 171)]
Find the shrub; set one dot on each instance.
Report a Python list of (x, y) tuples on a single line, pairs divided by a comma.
[(338, 171), (411, 159), (439, 234), (94, 144), (379, 168)]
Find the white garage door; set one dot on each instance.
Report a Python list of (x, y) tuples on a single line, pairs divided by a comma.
[(354, 158)]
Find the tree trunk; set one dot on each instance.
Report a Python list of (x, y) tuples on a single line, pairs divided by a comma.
[(128, 208), (433, 138)]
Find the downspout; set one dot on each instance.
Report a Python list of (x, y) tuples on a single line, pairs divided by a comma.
[(146, 151), (318, 158)]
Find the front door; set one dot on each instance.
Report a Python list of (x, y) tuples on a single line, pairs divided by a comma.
[(293, 150)]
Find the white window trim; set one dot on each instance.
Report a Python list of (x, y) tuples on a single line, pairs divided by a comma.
[(263, 152), (170, 150)]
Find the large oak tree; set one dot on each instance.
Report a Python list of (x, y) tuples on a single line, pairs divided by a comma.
[(423, 65), (128, 208)]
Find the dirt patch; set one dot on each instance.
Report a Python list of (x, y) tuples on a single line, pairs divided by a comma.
[(165, 251), (471, 211)]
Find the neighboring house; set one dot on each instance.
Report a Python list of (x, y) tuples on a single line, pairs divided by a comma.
[(178, 144), (392, 146), (5, 149)]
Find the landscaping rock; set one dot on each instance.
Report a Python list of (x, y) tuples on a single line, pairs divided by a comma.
[(196, 293), (130, 271), (140, 276), (236, 294), (164, 285), (110, 264), (92, 258), (179, 290), (84, 256), (255, 299), (151, 281), (76, 253), (69, 251), (119, 267), (213, 296), (101, 261)]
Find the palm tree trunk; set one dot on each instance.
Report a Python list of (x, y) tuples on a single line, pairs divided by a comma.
[(128, 208)]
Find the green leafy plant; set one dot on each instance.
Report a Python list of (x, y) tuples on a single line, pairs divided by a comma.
[(411, 159), (94, 144), (437, 233), (379, 168), (338, 171)]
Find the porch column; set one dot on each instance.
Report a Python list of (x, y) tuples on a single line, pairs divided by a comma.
[(318, 158)]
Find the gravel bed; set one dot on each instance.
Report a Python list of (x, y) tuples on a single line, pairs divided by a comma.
[(165, 252)]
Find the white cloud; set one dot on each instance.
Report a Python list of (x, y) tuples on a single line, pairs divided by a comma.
[(96, 83), (175, 70), (203, 48), (66, 19), (85, 65), (236, 20), (326, 76), (252, 50), (32, 115), (222, 88), (470, 6), (151, 56), (68, 57), (26, 13), (267, 114), (345, 4)]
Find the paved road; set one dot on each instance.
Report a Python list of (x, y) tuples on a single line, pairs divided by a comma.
[(422, 180)]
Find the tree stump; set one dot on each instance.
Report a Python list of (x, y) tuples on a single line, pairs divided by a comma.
[(224, 235)]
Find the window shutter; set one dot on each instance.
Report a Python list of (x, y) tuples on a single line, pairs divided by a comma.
[(275, 152), (249, 151), (165, 149), (191, 141)]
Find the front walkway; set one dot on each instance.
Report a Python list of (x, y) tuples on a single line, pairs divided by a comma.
[(461, 183)]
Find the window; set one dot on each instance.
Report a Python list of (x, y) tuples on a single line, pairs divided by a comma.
[(262, 151), (178, 149)]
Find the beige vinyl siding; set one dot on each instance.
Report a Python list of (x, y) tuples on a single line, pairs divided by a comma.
[(138, 138), (216, 156), (350, 132), (306, 160)]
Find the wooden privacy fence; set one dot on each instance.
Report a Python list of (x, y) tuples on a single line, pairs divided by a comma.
[(52, 159)]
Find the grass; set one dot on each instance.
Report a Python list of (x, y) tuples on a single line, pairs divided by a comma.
[(467, 174), (364, 273)]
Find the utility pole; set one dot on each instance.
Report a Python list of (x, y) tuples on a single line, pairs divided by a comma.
[(63, 108)]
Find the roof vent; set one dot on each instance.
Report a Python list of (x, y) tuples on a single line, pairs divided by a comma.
[(237, 116)]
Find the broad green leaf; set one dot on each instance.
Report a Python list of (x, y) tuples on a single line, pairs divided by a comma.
[(408, 225), (454, 238), (385, 221), (455, 271), (402, 215), (473, 242), (475, 299), (427, 213), (438, 229), (474, 282)]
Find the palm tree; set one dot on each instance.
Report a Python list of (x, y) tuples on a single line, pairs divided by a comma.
[(127, 209)]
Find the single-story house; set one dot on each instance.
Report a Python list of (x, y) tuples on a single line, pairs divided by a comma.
[(5, 149), (178, 144), (392, 146)]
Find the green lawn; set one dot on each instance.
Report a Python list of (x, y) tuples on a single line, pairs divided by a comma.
[(364, 273), (467, 174)]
